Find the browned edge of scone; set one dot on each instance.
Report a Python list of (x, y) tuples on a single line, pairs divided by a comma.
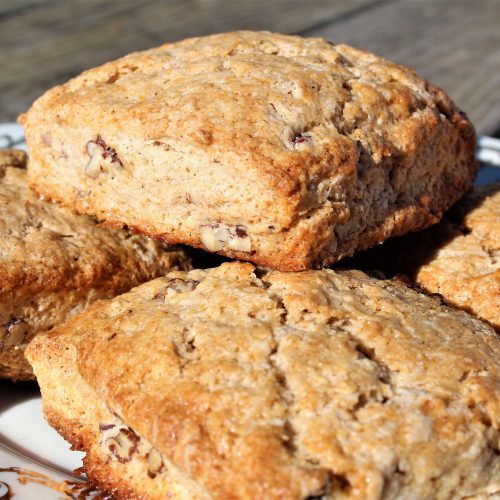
[(454, 260)]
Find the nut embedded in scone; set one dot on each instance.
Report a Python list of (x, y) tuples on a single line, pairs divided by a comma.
[(13, 158), (122, 446), (155, 463), (300, 138), (177, 285), (217, 236), (100, 154)]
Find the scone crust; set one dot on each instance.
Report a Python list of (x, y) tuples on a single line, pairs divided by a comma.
[(54, 262), (465, 270), (72, 408), (312, 150), (261, 384), (459, 258)]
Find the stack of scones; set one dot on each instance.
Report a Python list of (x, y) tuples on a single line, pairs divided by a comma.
[(282, 370)]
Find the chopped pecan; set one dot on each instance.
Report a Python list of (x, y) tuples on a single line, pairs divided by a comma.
[(155, 463), (99, 153), (216, 236), (122, 446), (178, 285), (300, 138)]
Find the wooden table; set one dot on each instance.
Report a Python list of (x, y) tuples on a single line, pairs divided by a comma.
[(455, 43)]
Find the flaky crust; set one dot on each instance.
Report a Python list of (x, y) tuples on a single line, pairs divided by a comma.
[(458, 258), (294, 152), (466, 269), (53, 263), (263, 385)]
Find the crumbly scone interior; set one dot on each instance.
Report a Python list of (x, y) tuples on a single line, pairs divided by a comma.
[(298, 385)]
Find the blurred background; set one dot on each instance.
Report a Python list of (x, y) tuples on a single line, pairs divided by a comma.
[(454, 43)]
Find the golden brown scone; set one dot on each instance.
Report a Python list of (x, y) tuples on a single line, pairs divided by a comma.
[(458, 258), (466, 270), (284, 151), (53, 263), (239, 383)]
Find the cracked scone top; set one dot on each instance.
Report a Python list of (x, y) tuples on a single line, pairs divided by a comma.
[(53, 263), (465, 268), (459, 258), (238, 383), (285, 151)]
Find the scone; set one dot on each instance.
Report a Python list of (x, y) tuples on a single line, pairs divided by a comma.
[(53, 263), (459, 258), (280, 150), (465, 270), (239, 383)]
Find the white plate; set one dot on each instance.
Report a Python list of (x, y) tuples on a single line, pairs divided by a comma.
[(11, 136), (31, 451), (40, 462)]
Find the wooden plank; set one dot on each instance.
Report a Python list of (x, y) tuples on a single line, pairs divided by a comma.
[(47, 45), (454, 43), (16, 7)]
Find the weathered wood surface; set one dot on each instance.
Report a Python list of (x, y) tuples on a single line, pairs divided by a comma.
[(455, 43)]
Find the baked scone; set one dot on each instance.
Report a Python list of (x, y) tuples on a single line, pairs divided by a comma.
[(239, 383), (53, 263), (465, 270), (459, 258), (280, 150)]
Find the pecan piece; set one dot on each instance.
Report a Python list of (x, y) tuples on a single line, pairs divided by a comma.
[(122, 446), (155, 463), (300, 138), (211, 238), (216, 236), (178, 285), (100, 153), (13, 158)]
